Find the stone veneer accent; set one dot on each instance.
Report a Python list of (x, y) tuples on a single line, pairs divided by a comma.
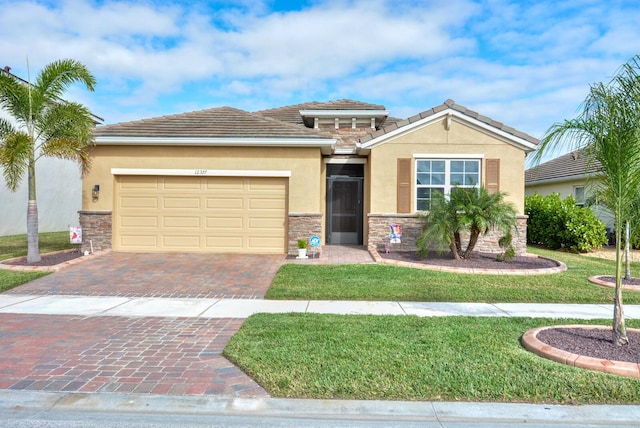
[(96, 229), (411, 226), (302, 226)]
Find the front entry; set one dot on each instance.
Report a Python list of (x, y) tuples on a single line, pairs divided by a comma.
[(344, 210)]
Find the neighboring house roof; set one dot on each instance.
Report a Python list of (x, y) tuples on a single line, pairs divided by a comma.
[(450, 109), (574, 165)]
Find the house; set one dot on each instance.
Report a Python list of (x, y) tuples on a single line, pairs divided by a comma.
[(571, 174), (227, 180), (59, 189)]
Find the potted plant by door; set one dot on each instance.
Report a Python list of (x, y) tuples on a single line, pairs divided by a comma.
[(302, 249)]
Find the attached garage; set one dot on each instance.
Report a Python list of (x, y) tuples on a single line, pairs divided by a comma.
[(158, 213)]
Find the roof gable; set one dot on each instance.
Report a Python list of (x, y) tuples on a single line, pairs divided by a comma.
[(449, 110)]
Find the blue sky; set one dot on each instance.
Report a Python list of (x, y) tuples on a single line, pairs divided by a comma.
[(525, 63)]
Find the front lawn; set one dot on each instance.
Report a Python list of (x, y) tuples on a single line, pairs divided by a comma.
[(411, 358), (390, 283), (16, 246)]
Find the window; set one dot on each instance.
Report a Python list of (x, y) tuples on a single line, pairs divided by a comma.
[(578, 195), (441, 175)]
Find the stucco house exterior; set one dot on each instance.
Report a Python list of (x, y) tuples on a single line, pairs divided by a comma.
[(571, 174), (227, 180)]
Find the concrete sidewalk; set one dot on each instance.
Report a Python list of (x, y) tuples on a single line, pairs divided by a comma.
[(243, 308)]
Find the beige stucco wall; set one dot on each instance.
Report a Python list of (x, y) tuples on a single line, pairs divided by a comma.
[(435, 139), (305, 165), (564, 188)]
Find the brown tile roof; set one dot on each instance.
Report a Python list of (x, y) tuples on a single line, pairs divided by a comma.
[(449, 104), (215, 122), (574, 164)]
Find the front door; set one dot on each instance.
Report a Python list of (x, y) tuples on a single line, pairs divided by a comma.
[(344, 210)]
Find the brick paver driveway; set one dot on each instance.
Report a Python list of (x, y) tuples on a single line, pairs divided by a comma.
[(163, 275), (158, 355)]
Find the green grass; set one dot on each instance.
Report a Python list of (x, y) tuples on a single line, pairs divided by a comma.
[(411, 358), (16, 246), (385, 282)]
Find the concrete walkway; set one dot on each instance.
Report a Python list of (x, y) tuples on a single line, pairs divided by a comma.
[(242, 308)]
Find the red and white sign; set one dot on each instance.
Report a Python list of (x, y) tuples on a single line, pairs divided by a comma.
[(75, 234)]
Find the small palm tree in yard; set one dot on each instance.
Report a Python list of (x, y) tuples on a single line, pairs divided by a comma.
[(473, 210), (609, 130), (43, 126)]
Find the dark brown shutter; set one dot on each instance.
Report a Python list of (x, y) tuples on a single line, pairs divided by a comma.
[(404, 186), (492, 175)]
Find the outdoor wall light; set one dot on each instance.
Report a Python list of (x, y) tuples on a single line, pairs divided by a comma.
[(95, 193)]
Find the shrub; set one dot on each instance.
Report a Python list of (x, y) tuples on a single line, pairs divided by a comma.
[(556, 223)]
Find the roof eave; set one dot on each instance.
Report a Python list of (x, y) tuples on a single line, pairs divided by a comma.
[(326, 145)]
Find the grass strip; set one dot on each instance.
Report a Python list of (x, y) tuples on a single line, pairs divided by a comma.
[(412, 358), (391, 283), (16, 246)]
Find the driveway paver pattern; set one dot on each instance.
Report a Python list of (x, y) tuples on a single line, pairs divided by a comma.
[(163, 275), (177, 356)]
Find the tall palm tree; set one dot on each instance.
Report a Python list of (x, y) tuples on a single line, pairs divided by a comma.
[(609, 129), (43, 125)]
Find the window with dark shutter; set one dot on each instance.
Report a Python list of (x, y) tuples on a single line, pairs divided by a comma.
[(404, 185)]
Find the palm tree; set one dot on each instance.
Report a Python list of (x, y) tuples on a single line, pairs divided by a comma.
[(467, 209), (481, 211), (43, 125), (609, 129)]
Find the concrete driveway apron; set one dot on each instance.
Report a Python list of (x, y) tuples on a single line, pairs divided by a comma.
[(158, 355)]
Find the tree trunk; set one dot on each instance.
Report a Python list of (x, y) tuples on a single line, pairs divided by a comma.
[(473, 240), (619, 329), (33, 250), (454, 246), (627, 252)]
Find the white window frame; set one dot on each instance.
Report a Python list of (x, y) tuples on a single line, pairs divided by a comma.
[(447, 173)]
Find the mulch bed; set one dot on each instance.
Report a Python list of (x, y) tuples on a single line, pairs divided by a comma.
[(595, 343), (477, 260), (612, 279), (50, 259)]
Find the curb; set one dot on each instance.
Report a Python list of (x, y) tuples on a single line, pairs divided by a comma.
[(560, 268), (599, 281), (531, 343)]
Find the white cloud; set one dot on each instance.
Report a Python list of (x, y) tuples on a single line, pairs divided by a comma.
[(527, 64)]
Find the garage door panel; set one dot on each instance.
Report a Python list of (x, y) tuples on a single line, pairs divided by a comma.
[(174, 242), (182, 183), (200, 214), (181, 222), (170, 202), (142, 241), (139, 182), (225, 203), (139, 202), (223, 223), (139, 221), (225, 244)]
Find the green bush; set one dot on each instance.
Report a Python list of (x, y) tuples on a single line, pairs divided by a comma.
[(556, 223)]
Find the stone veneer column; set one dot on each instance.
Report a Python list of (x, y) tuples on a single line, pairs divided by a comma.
[(96, 229), (302, 226), (411, 226)]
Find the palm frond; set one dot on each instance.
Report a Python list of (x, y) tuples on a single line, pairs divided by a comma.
[(15, 153)]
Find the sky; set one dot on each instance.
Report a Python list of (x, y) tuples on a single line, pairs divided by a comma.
[(527, 64)]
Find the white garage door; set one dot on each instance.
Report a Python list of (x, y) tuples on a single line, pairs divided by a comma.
[(200, 214)]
